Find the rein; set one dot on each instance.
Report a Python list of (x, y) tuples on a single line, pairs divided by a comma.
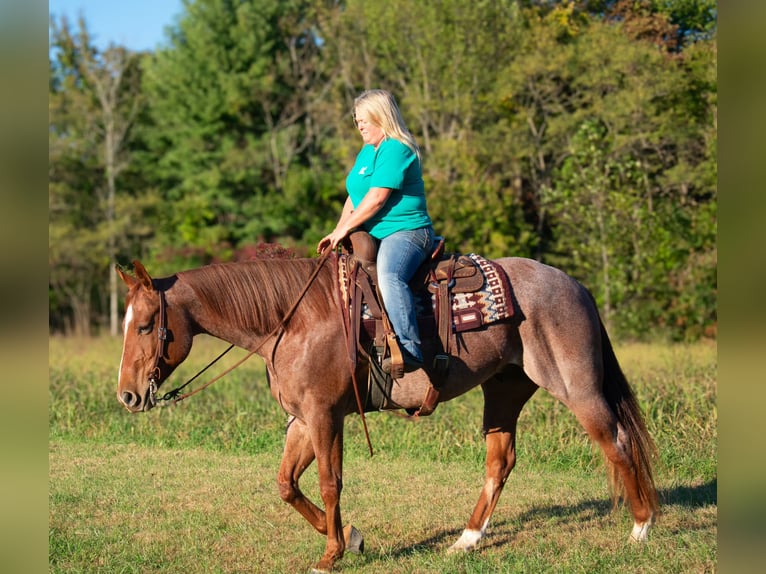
[(173, 395)]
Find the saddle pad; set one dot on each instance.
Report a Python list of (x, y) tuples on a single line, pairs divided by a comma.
[(491, 303)]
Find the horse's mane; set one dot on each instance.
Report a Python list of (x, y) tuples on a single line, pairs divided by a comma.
[(256, 295)]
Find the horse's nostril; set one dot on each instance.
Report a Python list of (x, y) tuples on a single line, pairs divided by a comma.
[(130, 400)]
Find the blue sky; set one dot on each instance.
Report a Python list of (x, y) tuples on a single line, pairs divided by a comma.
[(135, 24)]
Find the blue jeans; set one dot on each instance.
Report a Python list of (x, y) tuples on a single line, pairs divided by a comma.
[(399, 256)]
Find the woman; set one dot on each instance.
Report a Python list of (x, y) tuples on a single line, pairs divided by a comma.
[(386, 198)]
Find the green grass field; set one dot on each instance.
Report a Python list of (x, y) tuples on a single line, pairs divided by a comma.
[(192, 488)]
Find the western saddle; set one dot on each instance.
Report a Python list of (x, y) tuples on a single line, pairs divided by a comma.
[(441, 275)]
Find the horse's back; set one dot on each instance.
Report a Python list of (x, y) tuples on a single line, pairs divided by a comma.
[(537, 286)]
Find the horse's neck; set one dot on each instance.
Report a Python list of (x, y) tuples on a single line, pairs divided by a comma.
[(245, 305), (205, 321)]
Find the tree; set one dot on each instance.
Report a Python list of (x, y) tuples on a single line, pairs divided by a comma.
[(440, 76), (695, 20), (674, 24), (603, 221), (95, 98), (236, 101), (608, 124)]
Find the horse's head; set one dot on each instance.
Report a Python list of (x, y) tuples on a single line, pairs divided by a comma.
[(155, 341)]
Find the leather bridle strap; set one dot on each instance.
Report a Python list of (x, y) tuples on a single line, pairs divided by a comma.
[(162, 335)]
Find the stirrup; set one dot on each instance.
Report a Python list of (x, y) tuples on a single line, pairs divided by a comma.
[(429, 402)]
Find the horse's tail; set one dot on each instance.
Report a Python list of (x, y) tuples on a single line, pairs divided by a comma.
[(622, 401)]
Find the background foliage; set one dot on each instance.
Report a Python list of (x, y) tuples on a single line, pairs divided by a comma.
[(582, 134)]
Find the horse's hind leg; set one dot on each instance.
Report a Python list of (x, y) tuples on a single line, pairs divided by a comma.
[(504, 397), (297, 457), (626, 459)]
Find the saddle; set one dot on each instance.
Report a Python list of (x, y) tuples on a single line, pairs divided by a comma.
[(441, 275)]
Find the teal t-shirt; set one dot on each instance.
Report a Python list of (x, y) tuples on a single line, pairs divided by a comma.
[(395, 166)]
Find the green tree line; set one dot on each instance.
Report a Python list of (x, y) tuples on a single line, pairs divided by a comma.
[(582, 134)]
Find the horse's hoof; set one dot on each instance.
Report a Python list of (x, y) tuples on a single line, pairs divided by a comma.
[(354, 540), (640, 532), (467, 541)]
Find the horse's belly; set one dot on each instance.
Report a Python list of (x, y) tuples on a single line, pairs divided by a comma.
[(480, 354)]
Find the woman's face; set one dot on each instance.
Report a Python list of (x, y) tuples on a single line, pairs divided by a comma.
[(371, 134)]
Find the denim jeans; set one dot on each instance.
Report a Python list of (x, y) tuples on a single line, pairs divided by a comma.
[(399, 256)]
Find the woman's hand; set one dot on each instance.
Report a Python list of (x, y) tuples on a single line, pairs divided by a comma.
[(332, 240)]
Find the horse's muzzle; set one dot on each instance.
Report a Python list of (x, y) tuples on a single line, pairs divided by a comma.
[(136, 403)]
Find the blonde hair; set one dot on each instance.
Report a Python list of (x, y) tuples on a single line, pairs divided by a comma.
[(381, 109)]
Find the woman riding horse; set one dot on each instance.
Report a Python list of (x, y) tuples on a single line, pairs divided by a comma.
[(386, 197)]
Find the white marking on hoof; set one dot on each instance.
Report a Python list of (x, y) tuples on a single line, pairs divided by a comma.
[(640, 532), (354, 540), (467, 541)]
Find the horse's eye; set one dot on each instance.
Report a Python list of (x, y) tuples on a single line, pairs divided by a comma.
[(145, 329)]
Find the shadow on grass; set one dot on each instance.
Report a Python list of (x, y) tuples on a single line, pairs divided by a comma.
[(504, 530), (691, 496)]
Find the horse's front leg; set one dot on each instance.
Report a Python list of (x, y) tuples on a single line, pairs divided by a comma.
[(298, 455), (296, 458), (327, 438)]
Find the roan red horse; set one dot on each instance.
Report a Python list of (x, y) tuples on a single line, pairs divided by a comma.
[(555, 340)]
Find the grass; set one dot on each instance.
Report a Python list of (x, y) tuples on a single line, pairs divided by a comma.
[(192, 488)]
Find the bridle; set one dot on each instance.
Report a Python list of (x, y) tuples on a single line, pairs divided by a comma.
[(162, 335)]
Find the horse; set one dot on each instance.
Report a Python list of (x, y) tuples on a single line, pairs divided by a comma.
[(289, 312)]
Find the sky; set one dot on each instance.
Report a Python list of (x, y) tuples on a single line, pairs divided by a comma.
[(136, 24)]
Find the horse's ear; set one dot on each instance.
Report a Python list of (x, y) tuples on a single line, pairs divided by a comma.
[(129, 280), (143, 276)]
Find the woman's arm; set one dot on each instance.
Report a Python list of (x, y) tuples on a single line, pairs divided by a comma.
[(351, 218), (370, 205), (348, 209)]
